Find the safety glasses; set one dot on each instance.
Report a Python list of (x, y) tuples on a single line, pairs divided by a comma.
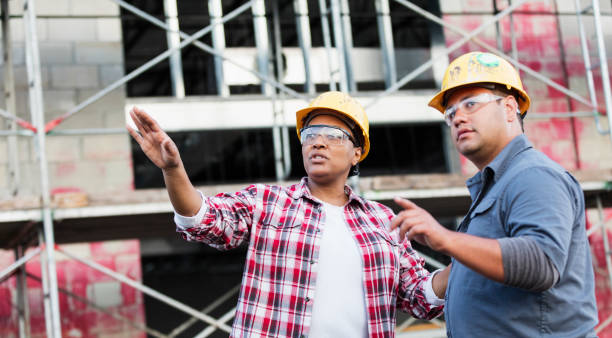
[(469, 105), (330, 135)]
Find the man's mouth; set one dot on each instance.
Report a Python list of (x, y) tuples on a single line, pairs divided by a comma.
[(463, 131)]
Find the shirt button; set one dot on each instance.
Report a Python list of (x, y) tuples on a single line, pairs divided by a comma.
[(318, 230), (312, 261), (307, 299)]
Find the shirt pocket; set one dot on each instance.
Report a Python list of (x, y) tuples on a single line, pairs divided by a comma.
[(385, 256), (484, 220), (279, 245)]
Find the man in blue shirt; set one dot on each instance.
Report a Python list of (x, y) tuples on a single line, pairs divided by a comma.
[(521, 265)]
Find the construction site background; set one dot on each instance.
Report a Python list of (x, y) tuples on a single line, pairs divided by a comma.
[(82, 52)]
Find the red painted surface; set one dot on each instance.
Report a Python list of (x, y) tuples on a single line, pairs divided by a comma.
[(538, 46), (78, 318)]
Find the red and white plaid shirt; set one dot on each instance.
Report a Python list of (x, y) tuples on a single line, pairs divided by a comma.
[(283, 228)]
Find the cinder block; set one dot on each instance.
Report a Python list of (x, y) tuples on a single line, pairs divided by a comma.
[(83, 119), (578, 84), (76, 77), (59, 100), (116, 247), (114, 119), (18, 28), (129, 265), (450, 7), (18, 53), (56, 53), (30, 178), (71, 174), (111, 103), (477, 6), (4, 183), (106, 147), (105, 294), (110, 74), (69, 29), (119, 175), (108, 29), (111, 176), (21, 103), (15, 7), (81, 250), (98, 53), (566, 6), (21, 77), (63, 148), (94, 7), (3, 151), (25, 146), (55, 7)]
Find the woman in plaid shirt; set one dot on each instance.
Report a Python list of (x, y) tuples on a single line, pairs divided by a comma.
[(320, 261)]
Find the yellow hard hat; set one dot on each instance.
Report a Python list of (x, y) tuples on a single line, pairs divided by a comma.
[(345, 106), (478, 67)]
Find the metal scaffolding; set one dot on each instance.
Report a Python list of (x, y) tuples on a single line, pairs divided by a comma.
[(337, 40)]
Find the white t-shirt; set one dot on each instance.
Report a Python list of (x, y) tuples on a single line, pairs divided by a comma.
[(339, 308)]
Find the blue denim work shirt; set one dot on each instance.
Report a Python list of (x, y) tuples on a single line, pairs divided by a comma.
[(524, 193)]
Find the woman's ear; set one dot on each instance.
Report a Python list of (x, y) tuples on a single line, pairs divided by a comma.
[(357, 155)]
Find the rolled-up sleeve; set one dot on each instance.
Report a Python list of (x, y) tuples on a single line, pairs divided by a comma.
[(414, 278), (544, 207), (223, 221)]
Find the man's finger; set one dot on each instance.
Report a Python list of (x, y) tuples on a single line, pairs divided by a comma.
[(407, 224), (398, 219), (403, 216), (404, 203)]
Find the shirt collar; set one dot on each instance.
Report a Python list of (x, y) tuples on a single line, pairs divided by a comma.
[(301, 190), (500, 163)]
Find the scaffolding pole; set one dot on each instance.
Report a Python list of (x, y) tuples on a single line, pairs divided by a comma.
[(23, 307), (603, 63), (215, 10), (9, 97), (333, 73), (385, 34), (38, 117), (305, 41), (174, 40)]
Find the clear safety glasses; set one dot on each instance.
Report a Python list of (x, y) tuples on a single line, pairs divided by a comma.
[(330, 135), (469, 105)]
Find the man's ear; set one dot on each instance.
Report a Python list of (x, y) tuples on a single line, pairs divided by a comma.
[(510, 106)]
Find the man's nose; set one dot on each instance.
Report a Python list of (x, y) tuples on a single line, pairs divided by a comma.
[(460, 117)]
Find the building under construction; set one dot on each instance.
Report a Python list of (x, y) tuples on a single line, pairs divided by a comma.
[(89, 247)]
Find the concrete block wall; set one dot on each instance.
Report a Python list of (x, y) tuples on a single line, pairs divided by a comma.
[(81, 53), (80, 319), (550, 45)]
